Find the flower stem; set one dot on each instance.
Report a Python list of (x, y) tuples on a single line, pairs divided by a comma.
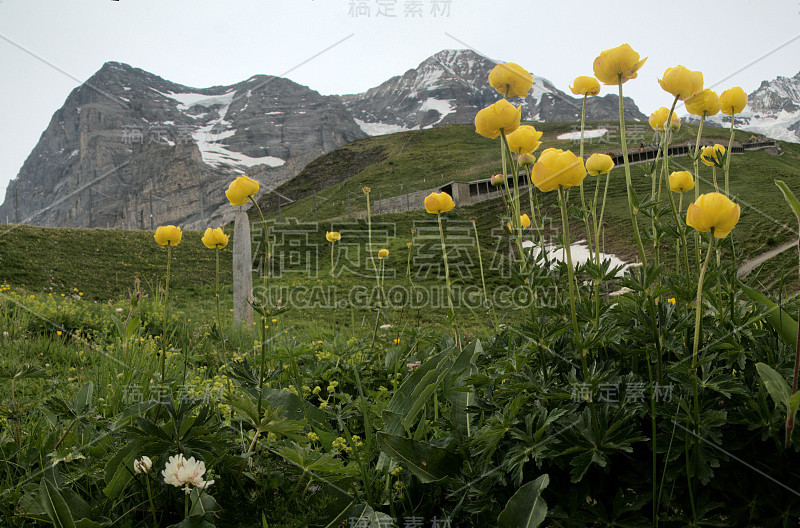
[(697, 183), (164, 329), (584, 211), (489, 307), (150, 499), (447, 277), (728, 157), (216, 286), (571, 272), (628, 182)]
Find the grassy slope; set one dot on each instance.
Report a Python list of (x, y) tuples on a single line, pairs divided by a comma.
[(104, 263)]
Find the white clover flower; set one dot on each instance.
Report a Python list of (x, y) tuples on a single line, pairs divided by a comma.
[(142, 465), (183, 473)]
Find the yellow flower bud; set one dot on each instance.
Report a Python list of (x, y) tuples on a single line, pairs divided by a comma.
[(383, 253), (168, 235), (524, 140), (332, 236), (501, 115), (524, 220), (497, 179), (706, 102), (713, 212), (511, 80), (712, 155), (617, 64), (680, 181), (240, 190), (526, 160), (659, 118), (558, 168), (214, 238), (599, 164), (439, 203), (732, 101), (585, 85), (682, 82)]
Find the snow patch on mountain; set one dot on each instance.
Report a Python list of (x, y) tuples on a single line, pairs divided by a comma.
[(381, 129)]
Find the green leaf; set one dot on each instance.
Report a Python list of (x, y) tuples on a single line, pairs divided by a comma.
[(794, 403), (426, 461), (779, 318), (526, 508), (360, 515), (118, 470), (790, 198), (54, 505), (777, 387), (84, 399), (202, 503)]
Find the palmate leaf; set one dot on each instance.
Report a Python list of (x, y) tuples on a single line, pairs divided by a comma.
[(426, 461)]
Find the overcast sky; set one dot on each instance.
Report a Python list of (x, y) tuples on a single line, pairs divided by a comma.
[(203, 43)]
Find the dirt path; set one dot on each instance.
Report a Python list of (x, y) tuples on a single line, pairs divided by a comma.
[(749, 265)]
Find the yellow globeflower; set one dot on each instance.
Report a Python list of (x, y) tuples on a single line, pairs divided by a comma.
[(240, 190), (333, 236), (524, 140), (712, 155), (585, 85), (383, 253), (511, 80), (168, 235), (659, 117), (214, 238), (713, 211), (706, 102), (558, 168), (682, 82), (439, 203), (501, 115), (524, 220), (680, 181), (617, 63), (599, 164), (732, 101)]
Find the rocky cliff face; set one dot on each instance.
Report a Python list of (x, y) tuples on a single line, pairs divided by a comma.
[(129, 149), (451, 86)]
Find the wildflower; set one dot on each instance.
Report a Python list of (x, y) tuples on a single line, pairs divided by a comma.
[(680, 181), (312, 436), (671, 300), (526, 159), (659, 118), (167, 235), (497, 179), (524, 140), (240, 190), (558, 168), (412, 366), (183, 473), (682, 82), (316, 390), (497, 117), (333, 236), (511, 80), (439, 203), (383, 253), (524, 221), (617, 64), (323, 405), (732, 101), (142, 465), (705, 102), (396, 471), (712, 155), (396, 340), (599, 164), (214, 238), (713, 212), (585, 85)]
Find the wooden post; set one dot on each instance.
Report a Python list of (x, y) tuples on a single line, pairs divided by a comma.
[(242, 270)]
